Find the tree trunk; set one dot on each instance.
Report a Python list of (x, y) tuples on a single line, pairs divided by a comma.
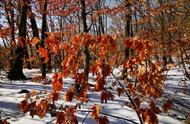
[(50, 64), (85, 48), (100, 18), (35, 31), (16, 72), (33, 24), (128, 33), (43, 36), (128, 29), (10, 18)]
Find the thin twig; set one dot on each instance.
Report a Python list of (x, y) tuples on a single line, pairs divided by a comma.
[(102, 113), (129, 97), (85, 117), (132, 102)]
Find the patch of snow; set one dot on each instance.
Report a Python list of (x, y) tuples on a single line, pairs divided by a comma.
[(9, 98)]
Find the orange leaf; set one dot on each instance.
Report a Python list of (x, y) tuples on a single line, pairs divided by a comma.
[(149, 117), (54, 96), (167, 105), (34, 93), (106, 70), (102, 120), (80, 78), (120, 91), (60, 118), (44, 54), (27, 41), (137, 101), (35, 40), (95, 111), (20, 42), (32, 108), (82, 96), (42, 107), (23, 106), (4, 121), (69, 95), (106, 95), (128, 42), (57, 83), (51, 39), (70, 116), (153, 107), (99, 85)]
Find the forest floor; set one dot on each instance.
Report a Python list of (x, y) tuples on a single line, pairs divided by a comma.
[(176, 88)]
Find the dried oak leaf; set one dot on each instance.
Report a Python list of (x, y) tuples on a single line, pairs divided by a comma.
[(32, 109), (153, 107), (42, 107), (44, 54), (106, 95), (4, 121), (167, 105), (23, 106), (82, 96), (106, 70), (70, 116), (35, 40), (149, 117), (70, 94), (60, 118), (80, 78), (102, 120), (95, 111), (137, 101), (54, 96), (99, 85), (57, 83), (120, 91), (103, 97)]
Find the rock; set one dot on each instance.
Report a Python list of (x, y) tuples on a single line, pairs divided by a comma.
[(24, 91)]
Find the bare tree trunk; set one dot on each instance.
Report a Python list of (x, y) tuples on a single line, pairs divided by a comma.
[(35, 31), (164, 57), (101, 25), (49, 64), (33, 24), (184, 66), (12, 36), (43, 36), (128, 33), (16, 72), (128, 29), (85, 49), (10, 19)]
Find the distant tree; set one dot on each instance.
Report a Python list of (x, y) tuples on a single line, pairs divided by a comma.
[(85, 30), (16, 72), (43, 36)]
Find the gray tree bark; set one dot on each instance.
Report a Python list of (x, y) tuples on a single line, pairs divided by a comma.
[(16, 72)]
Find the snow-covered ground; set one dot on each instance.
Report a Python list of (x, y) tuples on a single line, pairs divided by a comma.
[(174, 90)]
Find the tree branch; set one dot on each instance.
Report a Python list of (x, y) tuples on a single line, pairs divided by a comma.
[(102, 113)]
